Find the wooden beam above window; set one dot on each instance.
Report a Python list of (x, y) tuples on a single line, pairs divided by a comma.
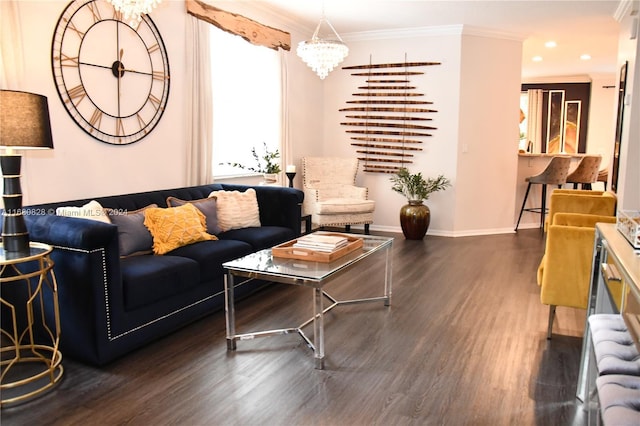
[(252, 31)]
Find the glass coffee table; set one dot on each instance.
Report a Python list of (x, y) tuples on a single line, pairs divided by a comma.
[(263, 265)]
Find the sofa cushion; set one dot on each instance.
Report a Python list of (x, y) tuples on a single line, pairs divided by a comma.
[(133, 237), (344, 205), (147, 279), (237, 209), (261, 237), (208, 206), (210, 255), (175, 227), (92, 210)]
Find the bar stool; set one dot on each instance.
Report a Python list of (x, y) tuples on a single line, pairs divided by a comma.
[(554, 174), (603, 176), (586, 172)]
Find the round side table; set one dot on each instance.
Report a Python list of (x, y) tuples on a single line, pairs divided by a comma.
[(31, 362)]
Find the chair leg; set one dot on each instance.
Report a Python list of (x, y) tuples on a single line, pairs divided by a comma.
[(526, 194), (366, 229), (347, 228), (543, 209), (552, 315)]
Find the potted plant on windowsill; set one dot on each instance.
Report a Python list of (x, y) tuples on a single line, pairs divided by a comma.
[(268, 164), (416, 216)]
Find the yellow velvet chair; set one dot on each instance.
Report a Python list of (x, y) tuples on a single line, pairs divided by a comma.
[(564, 274), (601, 203)]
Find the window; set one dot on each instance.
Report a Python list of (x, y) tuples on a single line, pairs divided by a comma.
[(246, 91)]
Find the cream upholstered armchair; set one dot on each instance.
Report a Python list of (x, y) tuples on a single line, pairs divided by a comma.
[(331, 196)]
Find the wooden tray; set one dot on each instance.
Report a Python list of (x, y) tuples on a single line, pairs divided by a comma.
[(286, 250)]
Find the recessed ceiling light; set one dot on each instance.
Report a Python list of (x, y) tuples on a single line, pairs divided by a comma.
[(536, 58), (550, 44), (585, 57)]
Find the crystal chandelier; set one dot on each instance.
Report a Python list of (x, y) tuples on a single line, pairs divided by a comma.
[(323, 54), (132, 10)]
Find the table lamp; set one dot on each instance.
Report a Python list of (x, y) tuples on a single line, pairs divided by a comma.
[(24, 124)]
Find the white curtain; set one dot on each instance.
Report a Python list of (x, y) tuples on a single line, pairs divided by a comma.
[(287, 148), (199, 105), (11, 49), (534, 123)]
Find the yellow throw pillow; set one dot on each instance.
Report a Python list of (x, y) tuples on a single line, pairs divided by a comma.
[(237, 209), (175, 227)]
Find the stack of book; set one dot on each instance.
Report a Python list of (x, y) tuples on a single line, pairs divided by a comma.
[(324, 243)]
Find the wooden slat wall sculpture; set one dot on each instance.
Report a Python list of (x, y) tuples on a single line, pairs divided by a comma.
[(384, 128)]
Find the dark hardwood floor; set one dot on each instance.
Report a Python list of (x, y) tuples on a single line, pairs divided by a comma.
[(463, 343)]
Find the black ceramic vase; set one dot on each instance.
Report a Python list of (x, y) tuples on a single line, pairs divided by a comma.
[(414, 220)]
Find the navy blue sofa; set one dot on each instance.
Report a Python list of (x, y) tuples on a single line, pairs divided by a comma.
[(110, 306)]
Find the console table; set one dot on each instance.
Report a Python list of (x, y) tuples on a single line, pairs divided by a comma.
[(31, 362), (615, 288)]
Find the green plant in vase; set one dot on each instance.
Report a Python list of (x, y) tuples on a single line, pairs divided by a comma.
[(268, 164), (416, 216)]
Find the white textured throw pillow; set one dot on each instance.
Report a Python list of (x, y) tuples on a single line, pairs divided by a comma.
[(92, 210), (237, 209)]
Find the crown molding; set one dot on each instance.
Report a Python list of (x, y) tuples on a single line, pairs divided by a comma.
[(491, 33), (558, 79), (443, 30), (285, 21), (624, 7)]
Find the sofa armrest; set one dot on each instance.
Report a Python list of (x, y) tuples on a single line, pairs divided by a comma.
[(70, 231), (87, 269)]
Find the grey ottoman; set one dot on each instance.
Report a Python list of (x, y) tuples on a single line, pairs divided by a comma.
[(619, 399)]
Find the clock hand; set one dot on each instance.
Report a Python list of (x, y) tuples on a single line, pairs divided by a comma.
[(136, 72), (120, 65), (95, 65), (120, 74)]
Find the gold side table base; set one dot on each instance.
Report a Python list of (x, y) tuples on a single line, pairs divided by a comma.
[(29, 374), (30, 359)]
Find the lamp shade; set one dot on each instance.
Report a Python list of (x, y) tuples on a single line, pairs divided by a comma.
[(24, 124), (24, 121)]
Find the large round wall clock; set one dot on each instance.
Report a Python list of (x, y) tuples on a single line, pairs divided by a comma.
[(112, 76)]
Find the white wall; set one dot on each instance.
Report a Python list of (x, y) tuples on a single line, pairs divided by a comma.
[(489, 134), (475, 91), (472, 91), (82, 167), (440, 84), (602, 117), (629, 51)]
